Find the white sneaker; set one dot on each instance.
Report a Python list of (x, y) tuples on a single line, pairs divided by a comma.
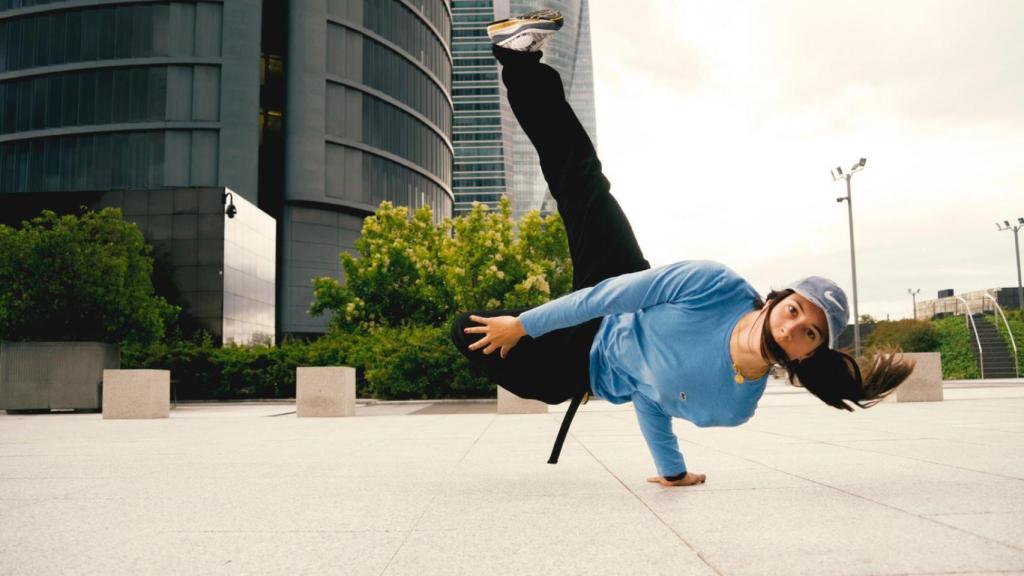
[(527, 33)]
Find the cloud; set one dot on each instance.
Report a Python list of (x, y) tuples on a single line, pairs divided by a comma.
[(718, 124)]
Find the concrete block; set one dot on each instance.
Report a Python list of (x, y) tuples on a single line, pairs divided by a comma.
[(325, 391), (924, 383), (509, 403), (131, 394)]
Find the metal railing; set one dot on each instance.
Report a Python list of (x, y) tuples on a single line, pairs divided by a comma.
[(971, 325), (1016, 362)]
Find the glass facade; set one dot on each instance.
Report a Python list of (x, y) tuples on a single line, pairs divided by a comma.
[(84, 35), (423, 35), (250, 249), (83, 105), (109, 161), (388, 117), (368, 119), (223, 269), (482, 117)]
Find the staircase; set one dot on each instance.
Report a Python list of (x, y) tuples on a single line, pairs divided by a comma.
[(998, 359)]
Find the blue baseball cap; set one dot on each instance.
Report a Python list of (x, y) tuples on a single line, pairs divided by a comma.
[(828, 296)]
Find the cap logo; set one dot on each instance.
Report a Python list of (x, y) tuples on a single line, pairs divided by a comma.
[(829, 296)]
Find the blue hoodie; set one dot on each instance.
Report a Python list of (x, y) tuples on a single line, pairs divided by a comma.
[(664, 345)]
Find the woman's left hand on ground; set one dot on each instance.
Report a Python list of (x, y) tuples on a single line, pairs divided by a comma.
[(501, 332), (688, 480)]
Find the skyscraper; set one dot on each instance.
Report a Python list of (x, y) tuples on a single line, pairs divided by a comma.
[(493, 156), (483, 121)]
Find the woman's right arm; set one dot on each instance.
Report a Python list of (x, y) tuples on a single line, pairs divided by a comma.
[(656, 427), (678, 282)]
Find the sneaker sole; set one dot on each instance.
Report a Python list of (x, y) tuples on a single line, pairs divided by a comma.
[(538, 20), (512, 29)]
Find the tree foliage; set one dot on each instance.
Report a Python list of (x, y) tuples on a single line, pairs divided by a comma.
[(908, 335), (409, 271), (87, 277)]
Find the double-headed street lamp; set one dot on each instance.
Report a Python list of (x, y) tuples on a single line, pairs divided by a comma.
[(837, 174), (1016, 247), (913, 298)]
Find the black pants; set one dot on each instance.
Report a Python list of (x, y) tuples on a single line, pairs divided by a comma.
[(555, 367)]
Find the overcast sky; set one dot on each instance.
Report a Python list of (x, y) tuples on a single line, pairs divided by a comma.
[(718, 124)]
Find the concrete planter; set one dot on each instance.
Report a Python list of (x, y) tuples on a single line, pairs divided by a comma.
[(54, 375), (924, 383), (131, 394), (325, 391)]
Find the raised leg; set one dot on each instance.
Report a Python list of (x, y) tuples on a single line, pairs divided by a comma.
[(601, 240)]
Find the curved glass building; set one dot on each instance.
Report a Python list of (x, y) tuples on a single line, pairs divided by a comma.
[(368, 117), (99, 95)]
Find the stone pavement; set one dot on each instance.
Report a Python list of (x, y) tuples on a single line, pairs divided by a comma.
[(926, 488)]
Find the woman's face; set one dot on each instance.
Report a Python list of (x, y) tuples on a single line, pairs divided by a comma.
[(798, 326)]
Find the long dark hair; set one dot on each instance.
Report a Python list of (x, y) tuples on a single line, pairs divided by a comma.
[(834, 376)]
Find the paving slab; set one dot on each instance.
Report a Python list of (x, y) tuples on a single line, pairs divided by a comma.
[(415, 488)]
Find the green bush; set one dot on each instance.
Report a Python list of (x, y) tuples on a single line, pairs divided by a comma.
[(958, 361), (87, 277), (418, 362), (908, 335), (190, 361), (410, 271), (391, 364)]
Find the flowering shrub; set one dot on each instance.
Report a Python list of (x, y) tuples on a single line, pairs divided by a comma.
[(409, 271)]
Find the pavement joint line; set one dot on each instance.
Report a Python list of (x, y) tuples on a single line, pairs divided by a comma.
[(648, 507), (976, 399), (434, 496), (1011, 571), (883, 504), (940, 514), (371, 531), (905, 457)]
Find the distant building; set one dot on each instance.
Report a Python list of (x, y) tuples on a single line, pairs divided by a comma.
[(493, 156), (978, 301), (484, 124)]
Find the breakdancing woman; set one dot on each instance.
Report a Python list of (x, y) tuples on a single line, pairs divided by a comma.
[(691, 340)]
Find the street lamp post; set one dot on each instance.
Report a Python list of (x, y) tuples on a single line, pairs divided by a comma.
[(913, 298), (1016, 247), (837, 174)]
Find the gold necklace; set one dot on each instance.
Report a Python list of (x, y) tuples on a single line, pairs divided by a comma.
[(738, 377)]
